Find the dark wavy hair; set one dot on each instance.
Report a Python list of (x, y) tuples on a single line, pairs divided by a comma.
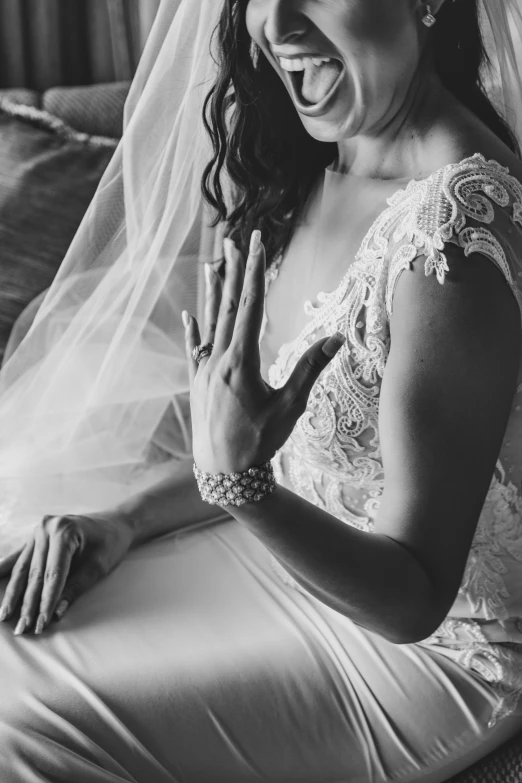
[(271, 159)]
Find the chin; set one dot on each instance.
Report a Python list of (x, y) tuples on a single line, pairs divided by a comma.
[(331, 130)]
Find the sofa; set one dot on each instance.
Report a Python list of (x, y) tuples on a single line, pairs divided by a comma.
[(54, 148)]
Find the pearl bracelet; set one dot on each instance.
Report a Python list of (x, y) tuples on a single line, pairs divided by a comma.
[(236, 489)]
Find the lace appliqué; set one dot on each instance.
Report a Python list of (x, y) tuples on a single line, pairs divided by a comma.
[(494, 663), (333, 454), (499, 531), (335, 442), (446, 201), (334, 450)]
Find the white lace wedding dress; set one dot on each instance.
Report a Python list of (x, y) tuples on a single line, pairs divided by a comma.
[(333, 457), (198, 660)]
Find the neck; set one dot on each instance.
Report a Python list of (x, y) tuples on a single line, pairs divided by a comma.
[(410, 144)]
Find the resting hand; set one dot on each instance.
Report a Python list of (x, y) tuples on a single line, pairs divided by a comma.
[(238, 420), (64, 557)]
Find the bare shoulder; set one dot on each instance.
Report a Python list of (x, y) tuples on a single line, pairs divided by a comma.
[(458, 134), (473, 137)]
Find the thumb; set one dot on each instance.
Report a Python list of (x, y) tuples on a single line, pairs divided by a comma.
[(311, 364)]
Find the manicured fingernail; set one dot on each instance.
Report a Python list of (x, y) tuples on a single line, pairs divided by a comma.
[(255, 241), (40, 624), (4, 611), (185, 318), (61, 609), (229, 248), (20, 628), (332, 345)]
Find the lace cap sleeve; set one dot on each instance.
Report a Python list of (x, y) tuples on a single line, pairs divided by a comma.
[(475, 204)]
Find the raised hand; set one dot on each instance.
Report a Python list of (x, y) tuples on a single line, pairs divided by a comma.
[(63, 558), (238, 420)]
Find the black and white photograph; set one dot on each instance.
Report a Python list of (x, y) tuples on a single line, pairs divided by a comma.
[(260, 391)]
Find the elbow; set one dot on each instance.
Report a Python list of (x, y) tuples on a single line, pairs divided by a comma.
[(413, 629), (417, 604), (419, 616), (406, 637), (404, 631)]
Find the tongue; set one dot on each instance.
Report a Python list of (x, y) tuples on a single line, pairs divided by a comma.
[(319, 80)]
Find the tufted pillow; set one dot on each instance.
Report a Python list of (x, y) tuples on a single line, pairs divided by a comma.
[(48, 176), (95, 109)]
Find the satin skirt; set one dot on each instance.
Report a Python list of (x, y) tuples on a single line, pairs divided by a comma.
[(192, 662)]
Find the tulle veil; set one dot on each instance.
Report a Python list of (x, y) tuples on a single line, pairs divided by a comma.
[(94, 401)]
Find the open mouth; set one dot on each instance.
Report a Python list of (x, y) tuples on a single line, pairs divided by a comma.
[(314, 86)]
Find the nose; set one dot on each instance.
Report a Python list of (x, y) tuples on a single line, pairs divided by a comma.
[(283, 22)]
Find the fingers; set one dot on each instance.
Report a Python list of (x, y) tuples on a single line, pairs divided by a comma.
[(245, 342), (223, 301), (33, 589), (212, 303), (309, 367), (192, 339), (17, 583), (45, 579), (230, 298), (62, 548), (40, 574)]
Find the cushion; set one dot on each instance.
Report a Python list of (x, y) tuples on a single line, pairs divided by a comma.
[(96, 109), (49, 173), (22, 95)]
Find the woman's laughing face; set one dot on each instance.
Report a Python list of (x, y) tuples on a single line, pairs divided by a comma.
[(346, 64)]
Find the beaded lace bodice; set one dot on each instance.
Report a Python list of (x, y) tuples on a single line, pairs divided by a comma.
[(333, 456)]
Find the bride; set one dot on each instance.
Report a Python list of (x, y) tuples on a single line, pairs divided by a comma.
[(281, 540)]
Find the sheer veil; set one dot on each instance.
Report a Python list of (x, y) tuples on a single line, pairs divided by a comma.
[(93, 402), (501, 22)]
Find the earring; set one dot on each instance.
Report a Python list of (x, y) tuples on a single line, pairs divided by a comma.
[(429, 20)]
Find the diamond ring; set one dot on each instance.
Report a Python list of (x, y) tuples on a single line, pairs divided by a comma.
[(202, 350)]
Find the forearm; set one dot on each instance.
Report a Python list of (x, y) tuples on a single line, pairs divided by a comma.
[(174, 503), (370, 578)]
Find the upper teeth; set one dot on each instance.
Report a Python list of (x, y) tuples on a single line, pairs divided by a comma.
[(300, 64)]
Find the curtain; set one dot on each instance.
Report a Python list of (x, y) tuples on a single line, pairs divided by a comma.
[(51, 43)]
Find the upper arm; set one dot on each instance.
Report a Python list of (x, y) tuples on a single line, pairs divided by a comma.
[(445, 402)]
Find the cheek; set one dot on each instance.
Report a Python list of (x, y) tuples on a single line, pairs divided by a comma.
[(381, 47), (379, 21), (378, 26)]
